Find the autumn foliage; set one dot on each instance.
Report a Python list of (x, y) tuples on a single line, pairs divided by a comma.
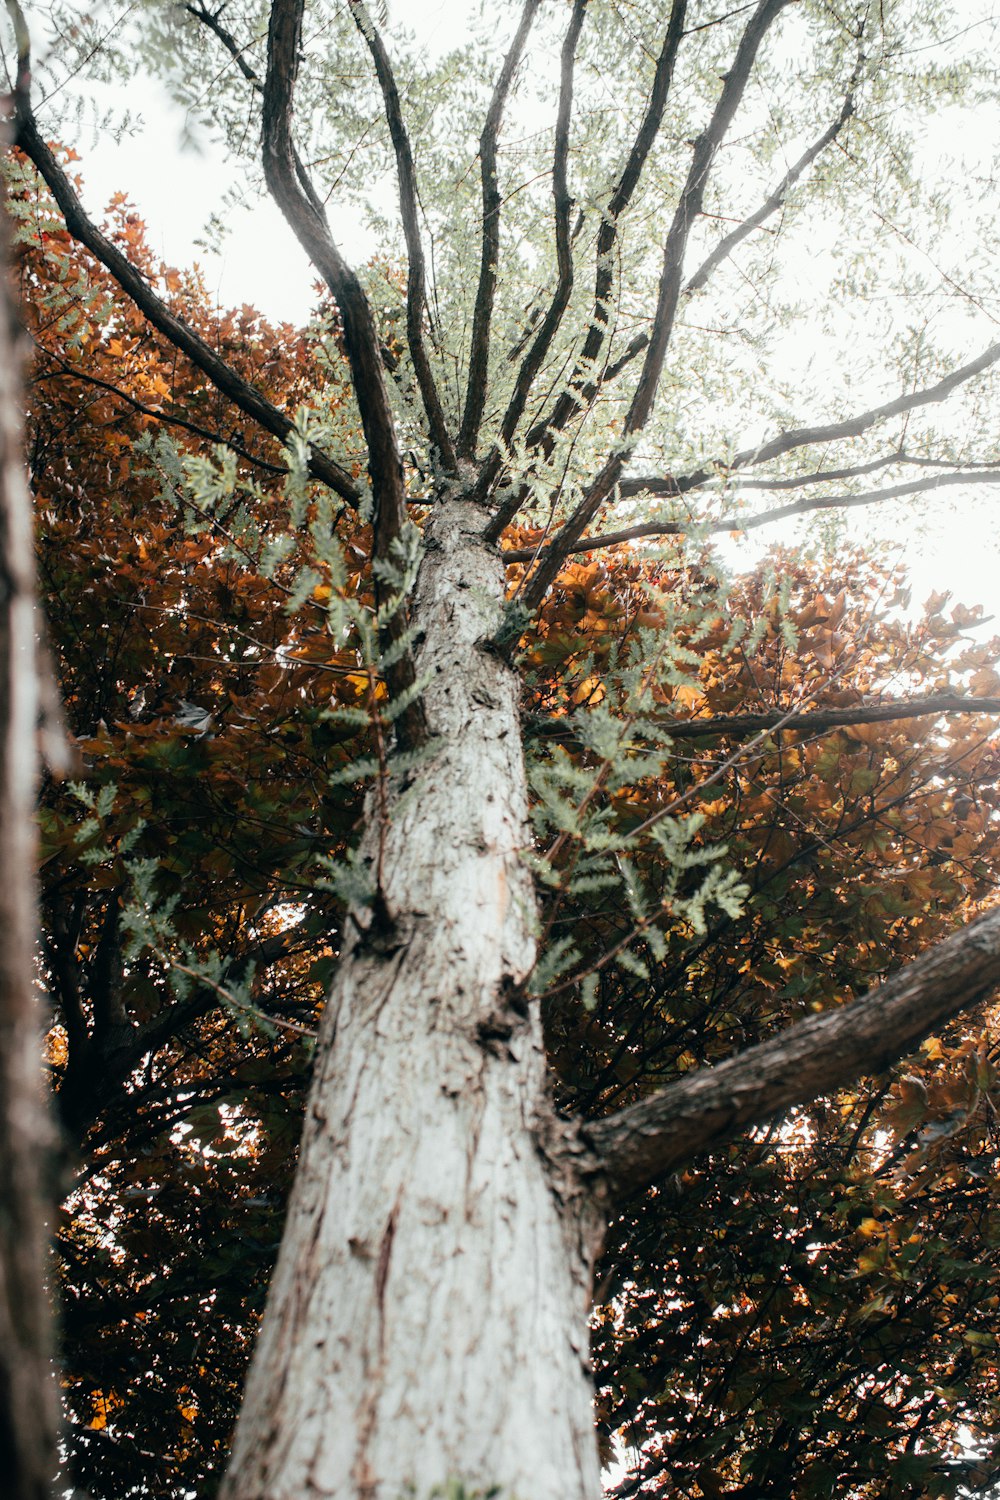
[(829, 1284), (173, 1218), (806, 1315)]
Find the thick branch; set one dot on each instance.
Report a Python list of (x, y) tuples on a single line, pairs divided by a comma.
[(482, 317), (416, 274), (212, 19), (815, 721), (688, 208), (740, 521), (820, 719), (708, 1107), (302, 208), (242, 394)]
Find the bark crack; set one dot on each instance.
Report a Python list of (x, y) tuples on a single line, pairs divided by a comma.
[(382, 1271)]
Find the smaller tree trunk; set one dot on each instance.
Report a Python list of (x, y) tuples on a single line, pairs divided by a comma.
[(27, 1392)]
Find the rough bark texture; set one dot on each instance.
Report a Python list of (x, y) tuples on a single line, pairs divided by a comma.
[(27, 1397), (428, 1317)]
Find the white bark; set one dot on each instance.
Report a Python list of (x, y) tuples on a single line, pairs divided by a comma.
[(427, 1321)]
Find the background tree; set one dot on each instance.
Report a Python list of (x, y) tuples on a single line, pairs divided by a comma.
[(28, 1419), (444, 1218)]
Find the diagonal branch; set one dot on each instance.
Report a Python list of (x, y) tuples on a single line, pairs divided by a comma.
[(702, 1110), (243, 395), (583, 392), (304, 212), (213, 20), (817, 721), (829, 432), (854, 471), (810, 503), (689, 206), (70, 372), (482, 317), (771, 205), (416, 283), (930, 705), (738, 521)]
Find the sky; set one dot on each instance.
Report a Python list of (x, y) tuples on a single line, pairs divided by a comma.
[(261, 261), (176, 187)]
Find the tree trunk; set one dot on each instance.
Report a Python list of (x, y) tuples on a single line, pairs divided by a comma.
[(427, 1323), (27, 1391)]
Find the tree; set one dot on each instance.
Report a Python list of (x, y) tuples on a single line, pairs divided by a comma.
[(27, 1404), (445, 1217), (162, 1225)]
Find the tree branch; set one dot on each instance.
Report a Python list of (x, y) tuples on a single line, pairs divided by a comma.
[(416, 274), (71, 372), (305, 215), (243, 395), (571, 401), (830, 432), (739, 521), (854, 471), (728, 244), (618, 202), (703, 1109), (866, 497), (663, 981), (212, 19), (688, 208), (482, 317), (813, 721), (542, 341)]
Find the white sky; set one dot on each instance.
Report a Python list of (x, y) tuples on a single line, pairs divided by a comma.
[(177, 188)]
